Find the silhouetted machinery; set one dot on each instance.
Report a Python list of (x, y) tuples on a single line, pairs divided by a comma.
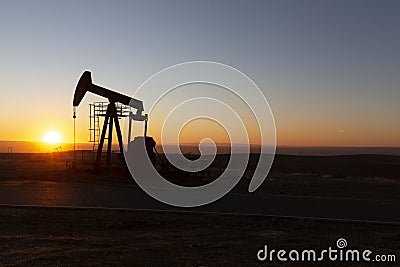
[(111, 117)]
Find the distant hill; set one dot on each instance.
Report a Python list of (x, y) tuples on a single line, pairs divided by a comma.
[(335, 151), (38, 147), (41, 147)]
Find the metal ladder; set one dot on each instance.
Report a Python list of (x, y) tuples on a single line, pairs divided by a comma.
[(96, 110)]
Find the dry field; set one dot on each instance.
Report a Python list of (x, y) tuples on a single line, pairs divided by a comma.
[(70, 237), (87, 237)]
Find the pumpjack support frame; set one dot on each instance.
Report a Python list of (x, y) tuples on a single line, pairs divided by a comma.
[(110, 119)]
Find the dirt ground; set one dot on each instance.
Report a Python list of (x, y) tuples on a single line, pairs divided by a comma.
[(70, 237), (87, 237), (354, 176)]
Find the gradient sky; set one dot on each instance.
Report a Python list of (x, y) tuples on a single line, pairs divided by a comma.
[(330, 69)]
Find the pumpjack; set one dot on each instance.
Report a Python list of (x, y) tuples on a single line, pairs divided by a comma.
[(85, 85)]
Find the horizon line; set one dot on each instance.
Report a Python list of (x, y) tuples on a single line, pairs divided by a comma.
[(222, 144)]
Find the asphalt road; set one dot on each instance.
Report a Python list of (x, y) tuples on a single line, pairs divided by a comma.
[(43, 193)]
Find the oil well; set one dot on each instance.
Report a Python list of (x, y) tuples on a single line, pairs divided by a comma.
[(108, 114), (117, 107)]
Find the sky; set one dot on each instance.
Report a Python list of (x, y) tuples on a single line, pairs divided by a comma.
[(329, 69)]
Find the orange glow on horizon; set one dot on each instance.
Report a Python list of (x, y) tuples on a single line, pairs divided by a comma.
[(291, 131)]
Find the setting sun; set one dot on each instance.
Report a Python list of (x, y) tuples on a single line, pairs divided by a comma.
[(52, 138)]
